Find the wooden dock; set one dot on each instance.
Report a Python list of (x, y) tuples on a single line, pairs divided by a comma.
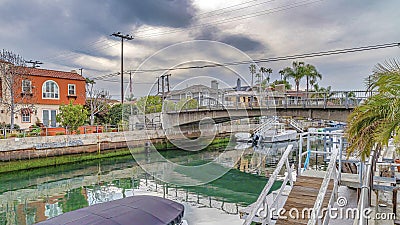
[(303, 195)]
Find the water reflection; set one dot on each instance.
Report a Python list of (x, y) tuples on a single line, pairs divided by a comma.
[(31, 196)]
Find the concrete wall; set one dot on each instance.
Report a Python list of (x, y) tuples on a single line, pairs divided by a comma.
[(36, 147)]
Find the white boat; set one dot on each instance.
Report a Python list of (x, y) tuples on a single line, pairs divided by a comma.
[(243, 137), (277, 133)]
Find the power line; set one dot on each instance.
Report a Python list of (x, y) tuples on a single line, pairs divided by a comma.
[(213, 13), (271, 59), (70, 55), (237, 18)]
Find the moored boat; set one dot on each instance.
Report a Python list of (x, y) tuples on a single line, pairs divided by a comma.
[(135, 210)]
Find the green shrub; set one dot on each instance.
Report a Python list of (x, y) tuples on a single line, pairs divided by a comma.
[(60, 133)]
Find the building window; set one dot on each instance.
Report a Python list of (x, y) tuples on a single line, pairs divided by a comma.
[(50, 90), (189, 95), (26, 86), (71, 89), (26, 115), (49, 118)]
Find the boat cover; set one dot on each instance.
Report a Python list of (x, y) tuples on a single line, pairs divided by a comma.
[(135, 210)]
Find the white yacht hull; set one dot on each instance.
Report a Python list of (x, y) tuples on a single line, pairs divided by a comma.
[(287, 135)]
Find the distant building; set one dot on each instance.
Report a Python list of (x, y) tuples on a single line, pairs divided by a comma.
[(205, 96), (38, 94), (240, 96)]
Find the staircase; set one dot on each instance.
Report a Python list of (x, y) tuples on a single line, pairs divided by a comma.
[(265, 126), (296, 125)]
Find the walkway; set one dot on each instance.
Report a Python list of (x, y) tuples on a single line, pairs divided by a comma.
[(303, 196)]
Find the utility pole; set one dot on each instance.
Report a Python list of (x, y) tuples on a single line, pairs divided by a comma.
[(165, 87), (127, 37), (35, 64)]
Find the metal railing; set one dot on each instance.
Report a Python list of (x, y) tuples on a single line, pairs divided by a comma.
[(331, 172), (296, 125), (365, 200), (332, 99), (261, 202)]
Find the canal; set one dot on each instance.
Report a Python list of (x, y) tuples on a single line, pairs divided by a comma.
[(30, 196)]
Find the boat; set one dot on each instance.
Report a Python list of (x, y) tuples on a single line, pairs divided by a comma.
[(277, 133), (135, 210), (243, 137)]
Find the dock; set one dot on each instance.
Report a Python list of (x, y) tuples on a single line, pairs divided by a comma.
[(303, 196)]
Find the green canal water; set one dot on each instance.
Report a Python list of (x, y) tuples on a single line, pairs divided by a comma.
[(31, 196)]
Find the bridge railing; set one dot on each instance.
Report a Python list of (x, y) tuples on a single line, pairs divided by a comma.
[(331, 99)]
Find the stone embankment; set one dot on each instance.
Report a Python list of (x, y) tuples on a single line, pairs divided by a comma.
[(47, 146)]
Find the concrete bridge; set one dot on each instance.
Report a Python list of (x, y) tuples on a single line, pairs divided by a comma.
[(335, 105)]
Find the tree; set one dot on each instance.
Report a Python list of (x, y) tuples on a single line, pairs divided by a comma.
[(149, 104), (14, 97), (188, 103), (252, 69), (97, 100), (321, 92), (276, 82), (282, 73), (297, 72), (72, 116), (311, 73), (119, 113), (378, 118)]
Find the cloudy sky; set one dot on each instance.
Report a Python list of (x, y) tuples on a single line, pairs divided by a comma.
[(72, 34)]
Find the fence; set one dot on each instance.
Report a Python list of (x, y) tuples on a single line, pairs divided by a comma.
[(345, 99)]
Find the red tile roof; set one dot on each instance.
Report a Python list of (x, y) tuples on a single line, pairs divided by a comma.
[(53, 73)]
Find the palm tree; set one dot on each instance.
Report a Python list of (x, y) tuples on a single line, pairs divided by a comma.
[(311, 73), (321, 92), (296, 73), (269, 71), (252, 68), (262, 70), (282, 73), (378, 119)]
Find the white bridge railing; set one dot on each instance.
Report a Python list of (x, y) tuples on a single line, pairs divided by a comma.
[(261, 202)]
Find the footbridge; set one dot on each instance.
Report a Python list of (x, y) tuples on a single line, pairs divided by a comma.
[(336, 106)]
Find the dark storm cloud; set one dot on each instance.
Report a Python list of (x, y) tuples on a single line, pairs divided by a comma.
[(243, 43), (239, 41), (73, 23)]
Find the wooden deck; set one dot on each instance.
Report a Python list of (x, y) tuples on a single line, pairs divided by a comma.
[(303, 195)]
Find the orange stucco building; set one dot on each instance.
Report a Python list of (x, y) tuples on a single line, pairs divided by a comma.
[(39, 94)]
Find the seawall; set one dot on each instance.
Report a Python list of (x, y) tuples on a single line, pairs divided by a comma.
[(47, 146)]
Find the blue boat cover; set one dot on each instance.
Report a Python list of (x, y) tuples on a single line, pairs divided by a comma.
[(136, 210)]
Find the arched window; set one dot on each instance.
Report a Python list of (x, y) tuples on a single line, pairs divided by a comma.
[(50, 90)]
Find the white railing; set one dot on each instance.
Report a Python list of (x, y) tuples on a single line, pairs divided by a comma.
[(265, 126), (261, 202), (364, 201), (331, 172), (296, 125)]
